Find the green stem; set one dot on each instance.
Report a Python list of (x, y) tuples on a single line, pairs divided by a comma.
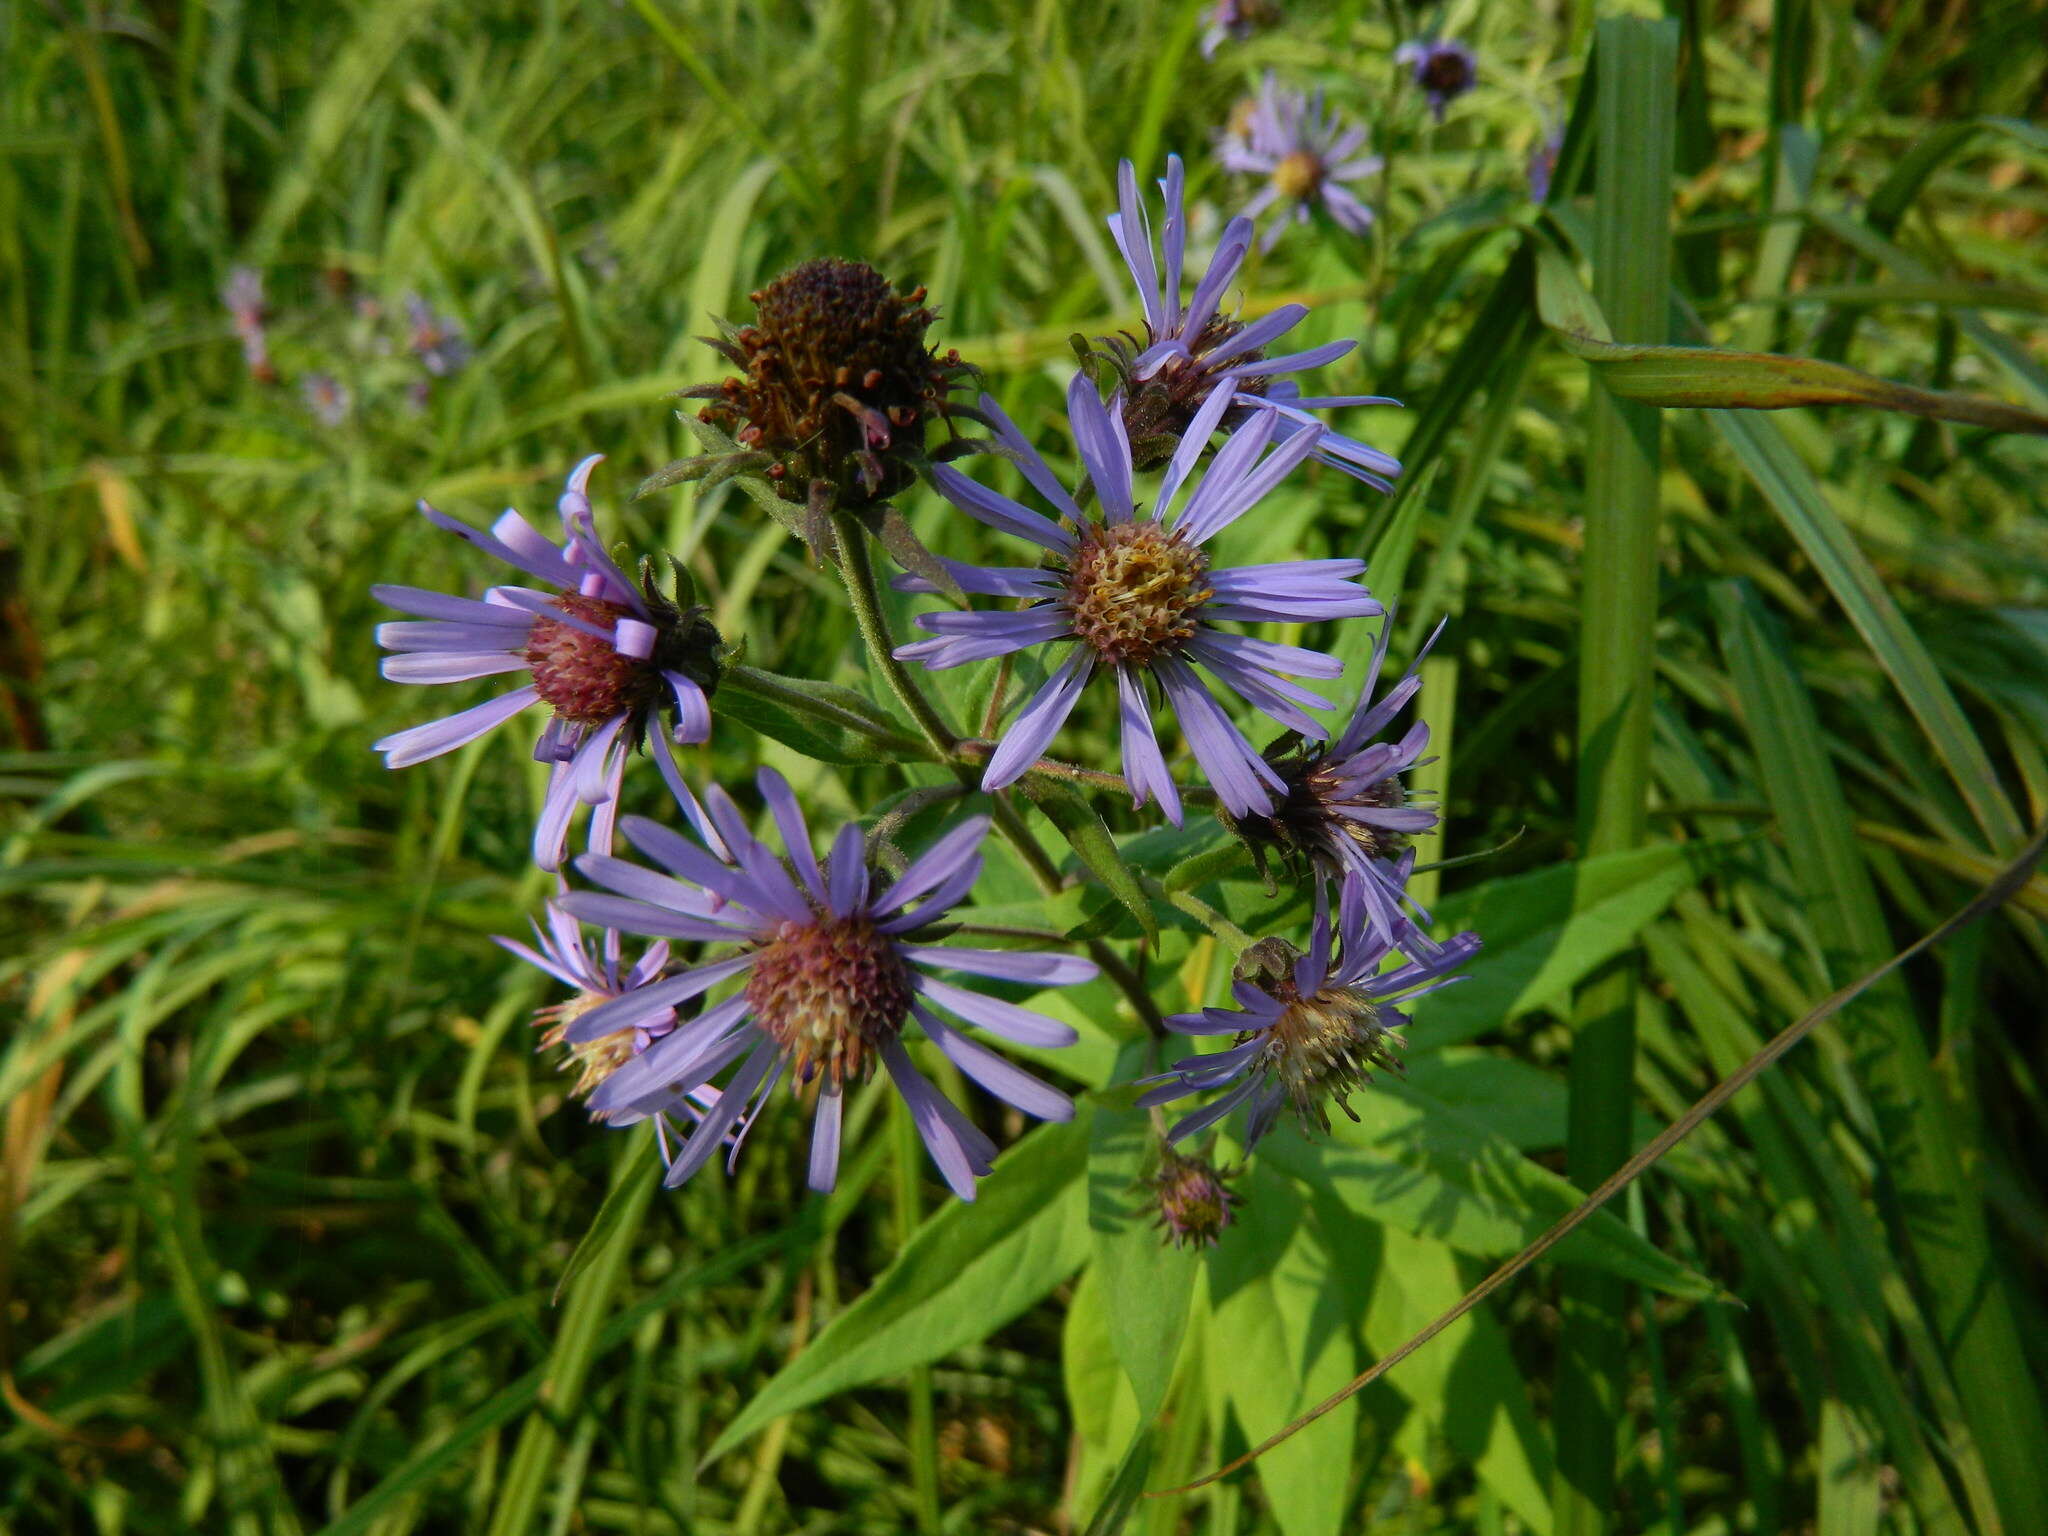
[(767, 685), (583, 1314), (858, 571), (1618, 612), (908, 1156), (1201, 912)]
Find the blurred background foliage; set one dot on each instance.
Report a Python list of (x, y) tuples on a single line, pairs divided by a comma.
[(286, 1195)]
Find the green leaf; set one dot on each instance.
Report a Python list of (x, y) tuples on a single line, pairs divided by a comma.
[(821, 720), (1466, 1384), (1712, 378), (1544, 932), (1080, 824), (1428, 1168), (626, 1198), (1125, 1488), (1280, 1347), (1099, 1396), (967, 1271), (1146, 1282)]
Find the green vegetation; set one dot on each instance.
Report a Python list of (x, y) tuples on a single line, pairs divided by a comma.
[(288, 1203)]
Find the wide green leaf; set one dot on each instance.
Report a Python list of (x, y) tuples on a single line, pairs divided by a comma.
[(1544, 932), (1430, 1169), (966, 1272)]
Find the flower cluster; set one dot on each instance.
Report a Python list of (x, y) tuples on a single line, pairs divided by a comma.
[(782, 961)]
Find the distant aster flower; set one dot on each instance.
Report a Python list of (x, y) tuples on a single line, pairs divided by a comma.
[(436, 340), (1189, 351), (326, 397), (1311, 1027), (242, 295), (1305, 156), (1444, 70), (1345, 810), (1195, 1201), (1543, 162), (835, 963), (608, 658), (1235, 21), (1134, 594)]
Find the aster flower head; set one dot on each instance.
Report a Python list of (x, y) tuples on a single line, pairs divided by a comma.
[(836, 384), (1189, 351), (1345, 811), (596, 976), (1305, 155), (1235, 21), (437, 340), (1310, 1028), (607, 657), (326, 397), (1194, 1198), (1134, 594), (1443, 70), (242, 296), (833, 958)]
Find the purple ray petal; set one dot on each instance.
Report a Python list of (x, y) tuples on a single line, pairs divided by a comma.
[(421, 742), (1026, 740)]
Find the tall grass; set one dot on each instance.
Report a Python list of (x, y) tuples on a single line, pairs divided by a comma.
[(287, 1195)]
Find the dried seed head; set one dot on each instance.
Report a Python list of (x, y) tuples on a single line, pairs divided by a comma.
[(1195, 1204), (838, 382), (828, 992), (1133, 589), (1323, 1045)]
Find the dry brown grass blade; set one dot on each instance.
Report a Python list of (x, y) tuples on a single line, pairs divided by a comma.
[(2010, 880)]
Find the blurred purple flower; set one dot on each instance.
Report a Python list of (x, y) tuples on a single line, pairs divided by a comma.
[(326, 397), (1310, 1027), (605, 656), (1305, 155), (1190, 350), (834, 968), (1444, 70), (242, 294), (1543, 162), (436, 340), (1137, 596), (1235, 21)]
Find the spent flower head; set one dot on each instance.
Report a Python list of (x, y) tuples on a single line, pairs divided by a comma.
[(606, 657), (1134, 594), (1195, 1200), (1443, 70), (1304, 155), (836, 385), (832, 960), (1309, 1028), (1189, 351)]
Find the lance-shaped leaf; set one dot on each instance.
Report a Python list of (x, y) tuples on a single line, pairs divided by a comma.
[(1711, 378)]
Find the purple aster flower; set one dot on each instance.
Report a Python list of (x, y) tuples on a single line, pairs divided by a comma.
[(1305, 154), (1345, 809), (326, 397), (1189, 351), (1235, 21), (1543, 161), (242, 295), (606, 657), (436, 340), (1444, 70), (1310, 1027), (1135, 596), (832, 960), (599, 977)]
